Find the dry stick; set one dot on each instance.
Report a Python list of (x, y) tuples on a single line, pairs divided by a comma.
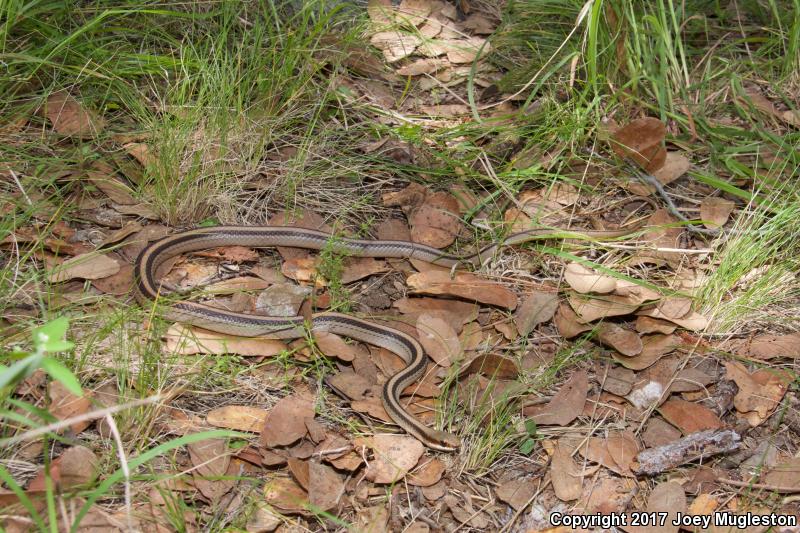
[(519, 511), (93, 415), (123, 462), (764, 486)]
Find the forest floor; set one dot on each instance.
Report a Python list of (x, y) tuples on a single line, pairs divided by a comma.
[(653, 371)]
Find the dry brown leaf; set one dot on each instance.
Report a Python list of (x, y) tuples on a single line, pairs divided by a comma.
[(694, 321), (211, 458), (668, 498), (285, 494), (395, 45), (304, 270), (493, 366), (623, 448), (516, 492), (715, 211), (263, 519), (436, 222), (333, 345), (286, 422), (590, 309), (454, 312), (282, 299), (467, 286), (675, 165), (445, 110), (537, 308), (466, 50), (70, 118), (645, 324), (439, 339), (565, 474), (624, 341), (354, 386), (689, 417), (770, 346), (373, 519), (479, 24), (395, 455), (760, 393), (568, 322), (659, 433), (586, 280), (64, 405), (381, 13), (238, 417), (422, 66), (643, 141), (607, 495), (566, 405), (183, 340), (356, 268), (116, 284), (86, 266), (413, 12), (118, 192), (78, 466), (618, 380), (373, 406), (675, 307), (428, 473), (786, 474), (325, 486), (596, 450)]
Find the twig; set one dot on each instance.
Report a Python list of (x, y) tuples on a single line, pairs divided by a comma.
[(19, 185), (764, 486), (123, 462)]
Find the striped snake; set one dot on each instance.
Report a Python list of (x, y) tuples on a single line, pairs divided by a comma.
[(148, 290)]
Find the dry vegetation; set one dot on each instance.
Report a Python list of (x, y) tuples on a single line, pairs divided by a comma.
[(654, 369)]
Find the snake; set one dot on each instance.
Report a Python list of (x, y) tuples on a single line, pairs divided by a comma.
[(148, 292)]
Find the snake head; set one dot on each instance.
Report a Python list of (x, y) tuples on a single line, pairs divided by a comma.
[(443, 441)]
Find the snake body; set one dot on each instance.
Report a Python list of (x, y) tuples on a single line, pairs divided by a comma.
[(147, 291)]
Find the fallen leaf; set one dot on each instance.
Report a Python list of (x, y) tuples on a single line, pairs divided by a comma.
[(282, 299), (537, 308), (760, 393), (770, 346), (373, 519), (436, 222), (304, 270), (596, 450), (467, 286), (413, 12), (64, 405), (592, 308), (116, 284), (623, 448), (618, 381), (643, 141), (607, 495), (675, 165), (585, 280), (785, 474), (565, 474), (479, 24), (325, 486), (118, 192), (78, 466), (263, 519), (422, 66), (694, 321), (210, 458), (654, 347), (466, 50), (645, 324), (667, 498), (395, 45), (454, 312), (493, 366), (238, 417), (624, 341), (568, 322), (183, 340), (356, 268), (516, 492), (566, 405), (659, 433), (352, 385), (286, 422), (85, 266), (689, 417), (381, 13), (70, 118), (715, 211), (440, 341), (285, 494), (333, 345), (428, 473), (395, 455)]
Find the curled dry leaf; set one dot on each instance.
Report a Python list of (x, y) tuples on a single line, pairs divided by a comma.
[(537, 308), (615, 452), (586, 280), (78, 466), (70, 118), (118, 192), (183, 340), (645, 324), (760, 393), (286, 422), (440, 341), (568, 322), (304, 270), (715, 211), (263, 519), (436, 222), (642, 140), (693, 321), (785, 474), (566, 405), (689, 417), (675, 165), (624, 341), (85, 266), (463, 285), (238, 417), (592, 308), (395, 455), (116, 284), (356, 268), (675, 307)]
